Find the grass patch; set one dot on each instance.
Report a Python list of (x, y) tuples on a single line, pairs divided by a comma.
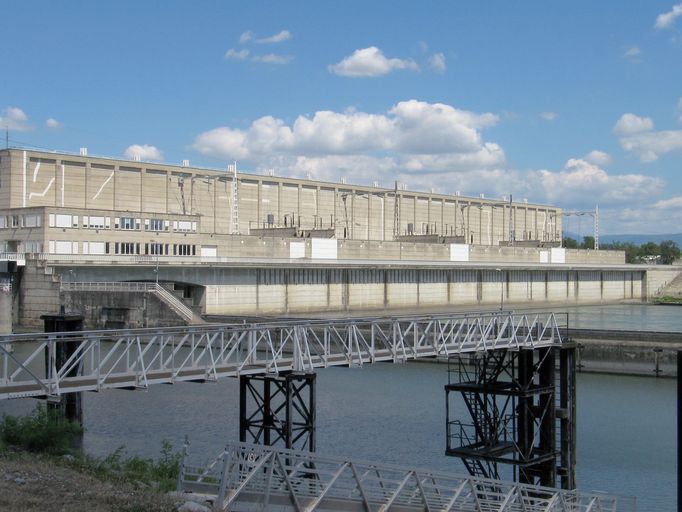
[(47, 433), (42, 431), (668, 299), (160, 473)]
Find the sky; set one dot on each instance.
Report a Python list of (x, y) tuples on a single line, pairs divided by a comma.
[(575, 104)]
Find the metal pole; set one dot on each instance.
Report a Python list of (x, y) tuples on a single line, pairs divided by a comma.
[(501, 274), (679, 430)]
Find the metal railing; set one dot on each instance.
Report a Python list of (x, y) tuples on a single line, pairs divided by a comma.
[(254, 477), (133, 286), (142, 357)]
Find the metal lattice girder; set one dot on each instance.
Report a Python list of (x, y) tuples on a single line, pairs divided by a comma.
[(246, 477), (138, 358)]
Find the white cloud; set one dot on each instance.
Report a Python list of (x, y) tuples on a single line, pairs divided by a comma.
[(279, 37), (637, 136), (649, 146), (597, 157), (667, 19), (633, 53), (14, 119), (669, 204), (581, 182), (629, 124), (272, 58), (370, 62), (245, 37), (143, 152), (53, 124), (437, 62), (549, 116), (412, 136), (233, 54)]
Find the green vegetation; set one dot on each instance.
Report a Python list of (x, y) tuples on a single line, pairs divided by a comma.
[(668, 299), (42, 431), (46, 432), (665, 253)]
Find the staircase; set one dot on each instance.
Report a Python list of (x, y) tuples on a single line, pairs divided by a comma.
[(171, 300), (673, 288)]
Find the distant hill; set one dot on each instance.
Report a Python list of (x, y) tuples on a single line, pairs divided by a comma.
[(635, 239)]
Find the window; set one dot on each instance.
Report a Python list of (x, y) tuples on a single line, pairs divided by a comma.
[(94, 248), (3, 222), (126, 248), (94, 222), (184, 226), (61, 221), (155, 225), (15, 221), (129, 223), (155, 249), (31, 221), (184, 250)]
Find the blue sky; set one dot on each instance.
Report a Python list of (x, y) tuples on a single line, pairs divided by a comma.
[(569, 103)]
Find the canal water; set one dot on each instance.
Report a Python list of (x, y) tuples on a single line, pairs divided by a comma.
[(396, 414)]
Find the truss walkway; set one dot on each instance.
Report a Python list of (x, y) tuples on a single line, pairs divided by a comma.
[(98, 360), (249, 478)]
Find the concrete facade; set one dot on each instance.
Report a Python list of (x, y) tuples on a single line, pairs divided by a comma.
[(66, 204)]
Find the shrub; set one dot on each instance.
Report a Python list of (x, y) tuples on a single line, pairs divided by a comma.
[(43, 430)]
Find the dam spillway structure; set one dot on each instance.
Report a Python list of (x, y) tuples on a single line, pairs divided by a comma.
[(520, 407)]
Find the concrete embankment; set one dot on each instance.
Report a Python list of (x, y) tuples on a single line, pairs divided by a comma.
[(648, 353)]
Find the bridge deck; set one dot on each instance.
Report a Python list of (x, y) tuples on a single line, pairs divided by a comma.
[(138, 358)]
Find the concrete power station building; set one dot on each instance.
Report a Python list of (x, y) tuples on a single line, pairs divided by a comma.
[(230, 243)]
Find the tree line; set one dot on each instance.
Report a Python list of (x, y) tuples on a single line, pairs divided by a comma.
[(650, 252)]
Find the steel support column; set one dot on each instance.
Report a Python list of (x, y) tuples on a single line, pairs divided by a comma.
[(514, 410), (278, 410)]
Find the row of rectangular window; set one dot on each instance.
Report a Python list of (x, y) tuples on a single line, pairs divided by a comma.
[(124, 223), (121, 248), (29, 220)]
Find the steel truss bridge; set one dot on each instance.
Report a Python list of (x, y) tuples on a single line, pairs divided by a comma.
[(249, 478), (53, 364)]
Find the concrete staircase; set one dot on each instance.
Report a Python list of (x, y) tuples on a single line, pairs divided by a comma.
[(673, 288), (170, 299)]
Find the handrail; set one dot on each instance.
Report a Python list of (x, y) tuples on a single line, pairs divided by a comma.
[(291, 480)]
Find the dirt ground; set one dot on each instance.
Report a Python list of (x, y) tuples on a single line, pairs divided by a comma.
[(33, 483)]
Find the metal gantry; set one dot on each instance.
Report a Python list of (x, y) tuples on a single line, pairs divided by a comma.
[(138, 358), (249, 478)]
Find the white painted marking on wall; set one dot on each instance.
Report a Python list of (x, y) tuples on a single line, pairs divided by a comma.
[(296, 250), (558, 255), (41, 194), (94, 198), (324, 248), (459, 252), (35, 173), (23, 198)]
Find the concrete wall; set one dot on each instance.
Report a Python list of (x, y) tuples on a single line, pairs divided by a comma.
[(267, 291), (116, 310), (69, 182), (658, 278)]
